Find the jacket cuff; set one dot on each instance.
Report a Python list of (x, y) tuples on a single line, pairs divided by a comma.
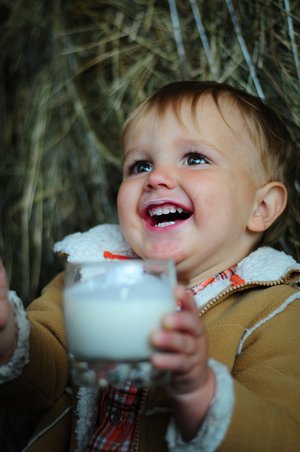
[(14, 366), (216, 422)]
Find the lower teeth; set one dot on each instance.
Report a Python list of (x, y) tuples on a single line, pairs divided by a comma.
[(165, 224)]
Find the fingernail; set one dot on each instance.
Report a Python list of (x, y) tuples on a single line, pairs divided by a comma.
[(168, 323), (156, 337)]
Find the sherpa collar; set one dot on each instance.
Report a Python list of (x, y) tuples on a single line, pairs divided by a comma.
[(264, 266)]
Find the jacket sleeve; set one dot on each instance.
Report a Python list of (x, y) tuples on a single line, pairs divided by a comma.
[(265, 387), (215, 425), (46, 374), (13, 367)]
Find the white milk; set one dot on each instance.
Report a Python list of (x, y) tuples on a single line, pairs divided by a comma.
[(114, 323)]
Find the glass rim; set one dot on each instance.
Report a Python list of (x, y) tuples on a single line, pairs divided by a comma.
[(120, 261), (161, 265)]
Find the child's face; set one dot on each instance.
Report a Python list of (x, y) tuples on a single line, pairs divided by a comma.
[(189, 189)]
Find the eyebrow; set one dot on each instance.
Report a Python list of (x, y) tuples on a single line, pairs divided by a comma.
[(194, 142), (126, 156)]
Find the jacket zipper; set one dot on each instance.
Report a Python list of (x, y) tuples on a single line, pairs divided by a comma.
[(138, 424), (239, 287)]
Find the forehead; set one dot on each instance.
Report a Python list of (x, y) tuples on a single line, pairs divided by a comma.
[(205, 116)]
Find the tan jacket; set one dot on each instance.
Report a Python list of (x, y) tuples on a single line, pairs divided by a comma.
[(253, 329)]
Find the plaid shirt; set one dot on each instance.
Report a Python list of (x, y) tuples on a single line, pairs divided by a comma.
[(118, 408), (117, 414)]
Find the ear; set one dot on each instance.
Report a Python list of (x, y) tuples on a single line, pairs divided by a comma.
[(270, 202)]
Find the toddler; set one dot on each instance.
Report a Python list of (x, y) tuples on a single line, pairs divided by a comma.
[(208, 177)]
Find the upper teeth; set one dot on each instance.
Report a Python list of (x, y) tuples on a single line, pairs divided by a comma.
[(164, 210)]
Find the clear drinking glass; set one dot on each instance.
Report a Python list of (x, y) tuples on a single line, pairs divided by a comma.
[(110, 308)]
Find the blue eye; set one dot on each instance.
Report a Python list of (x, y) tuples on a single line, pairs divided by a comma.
[(195, 158), (142, 166)]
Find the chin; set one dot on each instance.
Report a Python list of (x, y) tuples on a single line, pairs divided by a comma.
[(166, 254)]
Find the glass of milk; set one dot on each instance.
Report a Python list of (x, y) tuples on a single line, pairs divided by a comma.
[(110, 309)]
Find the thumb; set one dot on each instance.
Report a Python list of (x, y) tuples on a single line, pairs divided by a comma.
[(3, 282), (185, 300), (4, 307)]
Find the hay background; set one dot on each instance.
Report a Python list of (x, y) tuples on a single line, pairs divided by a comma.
[(71, 71)]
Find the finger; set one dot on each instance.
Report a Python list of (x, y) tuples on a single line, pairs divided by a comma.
[(4, 307), (175, 362), (184, 321), (174, 342), (185, 300), (3, 282)]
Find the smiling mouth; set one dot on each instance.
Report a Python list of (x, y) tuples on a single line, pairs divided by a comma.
[(166, 215)]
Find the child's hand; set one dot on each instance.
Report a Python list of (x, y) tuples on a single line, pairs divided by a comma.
[(7, 321), (182, 347)]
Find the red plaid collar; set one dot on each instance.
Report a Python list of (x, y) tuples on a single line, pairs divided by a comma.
[(230, 274)]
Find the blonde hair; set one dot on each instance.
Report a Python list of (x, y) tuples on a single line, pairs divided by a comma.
[(266, 130)]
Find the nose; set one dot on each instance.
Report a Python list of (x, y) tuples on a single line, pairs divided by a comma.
[(160, 178)]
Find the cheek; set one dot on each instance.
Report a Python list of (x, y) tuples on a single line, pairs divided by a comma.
[(216, 205), (196, 193), (121, 205), (210, 197), (126, 202)]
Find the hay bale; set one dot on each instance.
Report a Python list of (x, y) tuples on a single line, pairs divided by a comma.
[(71, 73)]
